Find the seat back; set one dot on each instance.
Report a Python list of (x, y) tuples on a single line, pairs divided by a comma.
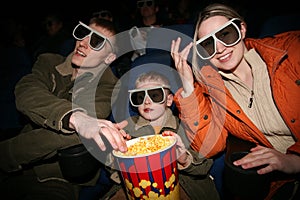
[(157, 58)]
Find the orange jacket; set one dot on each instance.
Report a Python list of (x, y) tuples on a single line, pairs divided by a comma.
[(210, 112)]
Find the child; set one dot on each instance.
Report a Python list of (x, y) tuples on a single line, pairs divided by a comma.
[(153, 98)]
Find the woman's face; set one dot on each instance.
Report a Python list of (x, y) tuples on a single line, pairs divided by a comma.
[(226, 58)]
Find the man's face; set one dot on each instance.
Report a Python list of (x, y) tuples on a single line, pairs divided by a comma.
[(147, 8), (85, 56)]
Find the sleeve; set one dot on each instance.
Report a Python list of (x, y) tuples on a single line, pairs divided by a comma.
[(35, 97), (200, 117), (198, 165)]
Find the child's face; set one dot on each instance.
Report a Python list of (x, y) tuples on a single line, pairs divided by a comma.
[(149, 109)]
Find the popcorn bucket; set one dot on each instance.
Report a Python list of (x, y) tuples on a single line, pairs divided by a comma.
[(150, 175)]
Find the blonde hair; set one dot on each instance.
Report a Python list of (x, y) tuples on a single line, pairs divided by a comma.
[(215, 9), (153, 76)]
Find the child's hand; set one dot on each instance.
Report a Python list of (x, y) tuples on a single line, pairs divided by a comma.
[(180, 148)]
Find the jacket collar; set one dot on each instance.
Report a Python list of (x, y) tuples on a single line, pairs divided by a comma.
[(270, 54), (170, 121), (65, 68)]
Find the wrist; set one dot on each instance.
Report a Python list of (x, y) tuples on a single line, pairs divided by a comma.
[(185, 159), (73, 117), (187, 91)]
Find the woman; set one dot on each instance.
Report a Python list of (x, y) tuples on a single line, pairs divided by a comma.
[(252, 92)]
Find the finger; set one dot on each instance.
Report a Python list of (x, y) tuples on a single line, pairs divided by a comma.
[(99, 142), (121, 124), (174, 51), (125, 135), (256, 148), (176, 45), (106, 123), (106, 132), (185, 52), (265, 170), (253, 160), (116, 139)]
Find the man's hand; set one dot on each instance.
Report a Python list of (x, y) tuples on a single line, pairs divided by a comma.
[(92, 128)]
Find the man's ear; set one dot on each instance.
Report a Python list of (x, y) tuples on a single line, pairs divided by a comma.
[(110, 58)]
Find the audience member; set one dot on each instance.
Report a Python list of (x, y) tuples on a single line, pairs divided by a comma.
[(153, 98), (104, 14), (16, 62), (55, 37), (67, 100), (252, 94), (146, 18), (183, 11)]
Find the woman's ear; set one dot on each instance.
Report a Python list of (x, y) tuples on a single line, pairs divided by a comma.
[(110, 58), (243, 29)]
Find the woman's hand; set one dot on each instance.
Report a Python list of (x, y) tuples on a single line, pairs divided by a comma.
[(183, 68), (92, 128), (272, 159), (182, 156)]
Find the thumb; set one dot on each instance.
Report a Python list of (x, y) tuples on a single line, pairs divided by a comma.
[(121, 124)]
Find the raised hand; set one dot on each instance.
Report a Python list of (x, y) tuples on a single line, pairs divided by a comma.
[(183, 68)]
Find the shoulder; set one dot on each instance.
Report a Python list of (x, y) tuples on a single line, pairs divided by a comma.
[(282, 40), (51, 58), (47, 61), (277, 46)]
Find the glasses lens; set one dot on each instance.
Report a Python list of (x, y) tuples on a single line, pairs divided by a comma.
[(156, 95), (49, 23), (137, 98), (229, 35), (140, 4), (149, 3), (207, 47), (81, 32), (96, 41)]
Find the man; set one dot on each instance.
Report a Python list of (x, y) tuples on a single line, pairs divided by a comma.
[(63, 98)]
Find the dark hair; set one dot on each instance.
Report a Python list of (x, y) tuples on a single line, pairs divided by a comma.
[(110, 26)]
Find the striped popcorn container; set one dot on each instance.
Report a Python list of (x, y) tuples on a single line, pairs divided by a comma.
[(150, 172)]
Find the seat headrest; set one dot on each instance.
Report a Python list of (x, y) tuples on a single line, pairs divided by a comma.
[(160, 38)]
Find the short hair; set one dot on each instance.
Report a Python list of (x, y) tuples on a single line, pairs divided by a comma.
[(108, 25), (154, 77)]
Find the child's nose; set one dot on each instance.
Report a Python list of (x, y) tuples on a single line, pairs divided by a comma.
[(147, 100)]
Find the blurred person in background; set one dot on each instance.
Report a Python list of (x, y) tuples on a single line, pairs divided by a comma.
[(55, 37)]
